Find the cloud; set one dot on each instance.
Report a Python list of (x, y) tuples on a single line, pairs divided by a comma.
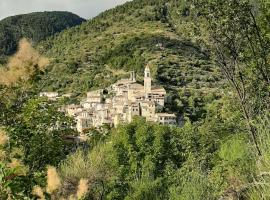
[(83, 8)]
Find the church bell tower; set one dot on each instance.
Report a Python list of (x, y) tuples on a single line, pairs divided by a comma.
[(147, 80)]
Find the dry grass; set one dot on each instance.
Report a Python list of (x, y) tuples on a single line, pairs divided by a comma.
[(3, 141), (82, 188), (53, 180), (17, 165), (23, 64), (37, 191), (3, 137), (3, 155)]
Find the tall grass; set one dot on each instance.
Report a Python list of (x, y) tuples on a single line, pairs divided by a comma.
[(260, 188), (53, 180)]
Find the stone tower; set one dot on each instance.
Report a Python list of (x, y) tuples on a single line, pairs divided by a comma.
[(147, 80)]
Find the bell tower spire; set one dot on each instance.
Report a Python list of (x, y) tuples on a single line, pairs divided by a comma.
[(147, 80)]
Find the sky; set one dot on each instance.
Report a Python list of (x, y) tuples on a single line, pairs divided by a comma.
[(84, 8)]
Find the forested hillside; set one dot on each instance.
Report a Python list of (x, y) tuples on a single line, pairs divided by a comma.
[(34, 26), (128, 37), (213, 58)]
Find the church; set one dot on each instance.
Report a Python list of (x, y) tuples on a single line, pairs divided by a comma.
[(126, 99), (136, 92)]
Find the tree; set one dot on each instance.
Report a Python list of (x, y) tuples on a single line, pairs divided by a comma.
[(240, 46), (41, 133)]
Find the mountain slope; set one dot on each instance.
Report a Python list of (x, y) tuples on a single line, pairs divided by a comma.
[(128, 37), (34, 26)]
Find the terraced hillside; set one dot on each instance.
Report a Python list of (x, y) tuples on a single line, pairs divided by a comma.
[(128, 37)]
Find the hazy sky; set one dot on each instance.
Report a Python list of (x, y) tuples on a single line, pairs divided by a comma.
[(83, 8)]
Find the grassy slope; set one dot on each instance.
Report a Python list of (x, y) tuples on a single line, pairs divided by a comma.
[(128, 37)]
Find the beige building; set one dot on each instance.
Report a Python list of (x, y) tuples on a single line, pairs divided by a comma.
[(50, 95), (148, 110), (133, 110), (84, 120), (73, 109), (93, 98), (165, 118), (127, 99)]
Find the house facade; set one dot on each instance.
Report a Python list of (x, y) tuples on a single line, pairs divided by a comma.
[(127, 99)]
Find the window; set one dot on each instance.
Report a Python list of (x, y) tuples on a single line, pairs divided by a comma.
[(148, 75)]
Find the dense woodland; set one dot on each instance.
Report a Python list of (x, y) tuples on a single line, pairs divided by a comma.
[(213, 58), (34, 26), (104, 49)]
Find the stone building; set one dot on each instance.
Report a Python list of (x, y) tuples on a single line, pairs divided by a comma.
[(73, 109), (126, 99), (93, 98), (165, 118), (84, 120)]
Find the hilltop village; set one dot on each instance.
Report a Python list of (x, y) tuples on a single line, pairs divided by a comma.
[(123, 100)]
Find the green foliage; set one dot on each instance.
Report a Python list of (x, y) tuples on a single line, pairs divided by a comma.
[(6, 183), (127, 38), (259, 188), (240, 47), (234, 149), (34, 26), (193, 184), (150, 161), (133, 162), (37, 133), (41, 133), (209, 157)]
